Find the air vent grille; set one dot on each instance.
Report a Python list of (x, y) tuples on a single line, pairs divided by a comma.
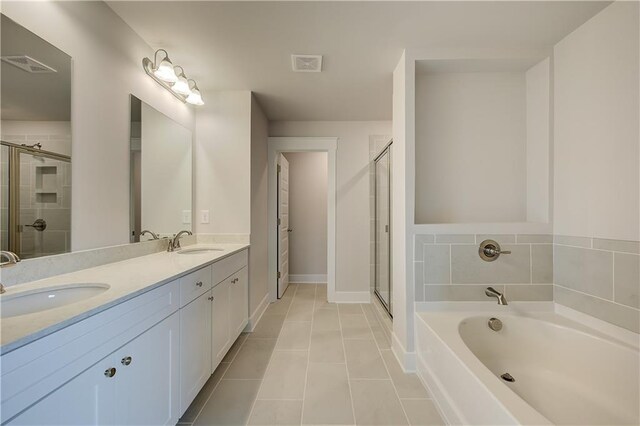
[(28, 64), (306, 63)]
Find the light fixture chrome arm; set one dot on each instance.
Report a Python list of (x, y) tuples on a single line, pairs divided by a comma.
[(155, 57)]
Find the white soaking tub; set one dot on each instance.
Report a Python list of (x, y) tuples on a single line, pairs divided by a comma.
[(565, 372)]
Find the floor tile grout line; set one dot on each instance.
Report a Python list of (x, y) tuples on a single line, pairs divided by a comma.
[(346, 365), (195, 419), (306, 372), (221, 378), (393, 384), (253, 404)]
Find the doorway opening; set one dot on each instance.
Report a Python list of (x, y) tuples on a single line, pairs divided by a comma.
[(302, 219), (293, 223)]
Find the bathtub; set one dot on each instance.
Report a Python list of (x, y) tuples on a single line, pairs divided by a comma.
[(565, 372)]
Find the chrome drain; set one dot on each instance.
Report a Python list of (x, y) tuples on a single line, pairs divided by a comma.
[(507, 378)]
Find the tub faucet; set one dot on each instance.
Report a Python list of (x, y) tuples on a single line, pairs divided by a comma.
[(492, 292), (174, 243)]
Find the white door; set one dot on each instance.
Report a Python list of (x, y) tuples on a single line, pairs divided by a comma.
[(283, 225), (238, 294), (220, 322), (148, 388), (88, 399), (195, 348)]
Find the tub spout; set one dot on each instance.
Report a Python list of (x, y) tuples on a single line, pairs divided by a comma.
[(492, 292)]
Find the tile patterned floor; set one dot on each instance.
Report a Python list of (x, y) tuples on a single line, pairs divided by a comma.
[(312, 362)]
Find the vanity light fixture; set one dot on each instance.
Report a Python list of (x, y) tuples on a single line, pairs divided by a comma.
[(164, 70), (182, 85), (195, 98), (164, 73)]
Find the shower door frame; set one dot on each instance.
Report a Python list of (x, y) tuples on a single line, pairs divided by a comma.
[(388, 306), (14, 185)]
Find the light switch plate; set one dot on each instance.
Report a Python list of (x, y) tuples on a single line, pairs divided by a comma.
[(186, 216), (204, 216)]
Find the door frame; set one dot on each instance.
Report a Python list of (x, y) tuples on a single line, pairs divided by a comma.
[(278, 145)]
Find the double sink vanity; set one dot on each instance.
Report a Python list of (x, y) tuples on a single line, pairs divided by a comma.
[(130, 342)]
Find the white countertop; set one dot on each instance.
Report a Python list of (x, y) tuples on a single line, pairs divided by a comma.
[(127, 279)]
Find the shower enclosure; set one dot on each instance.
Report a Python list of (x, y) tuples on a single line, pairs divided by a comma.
[(35, 192), (383, 283)]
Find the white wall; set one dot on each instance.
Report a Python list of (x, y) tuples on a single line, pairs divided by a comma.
[(258, 256), (106, 67), (470, 147), (538, 143), (166, 173), (307, 214), (55, 136), (352, 241), (596, 127), (223, 163)]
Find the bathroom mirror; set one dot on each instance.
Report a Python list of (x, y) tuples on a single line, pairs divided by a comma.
[(35, 166), (161, 175)]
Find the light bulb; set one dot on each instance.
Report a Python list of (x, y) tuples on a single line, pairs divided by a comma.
[(181, 86), (165, 71), (195, 98)]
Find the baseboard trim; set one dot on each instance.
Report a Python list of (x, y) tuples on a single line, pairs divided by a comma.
[(307, 278), (256, 316), (406, 359), (352, 297)]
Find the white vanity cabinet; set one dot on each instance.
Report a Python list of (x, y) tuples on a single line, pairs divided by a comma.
[(142, 361), (220, 312), (195, 348), (238, 306), (125, 388)]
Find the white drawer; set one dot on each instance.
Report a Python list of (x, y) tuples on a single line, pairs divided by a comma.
[(195, 284), (226, 267)]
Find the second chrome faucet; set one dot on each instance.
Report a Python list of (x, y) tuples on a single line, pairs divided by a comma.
[(174, 243)]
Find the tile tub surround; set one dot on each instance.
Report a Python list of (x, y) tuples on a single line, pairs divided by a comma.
[(127, 279), (321, 375), (599, 277), (448, 267)]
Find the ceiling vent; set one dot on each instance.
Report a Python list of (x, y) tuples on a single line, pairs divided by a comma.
[(28, 64), (306, 63)]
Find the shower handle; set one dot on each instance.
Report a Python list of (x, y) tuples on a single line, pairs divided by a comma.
[(39, 225)]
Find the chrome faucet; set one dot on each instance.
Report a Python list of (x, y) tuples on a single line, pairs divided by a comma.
[(174, 243), (153, 234), (11, 257), (492, 292)]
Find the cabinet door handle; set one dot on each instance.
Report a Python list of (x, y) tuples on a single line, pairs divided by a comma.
[(210, 298), (199, 283), (110, 372), (126, 360)]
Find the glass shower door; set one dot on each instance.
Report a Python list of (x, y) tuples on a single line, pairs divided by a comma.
[(383, 284), (44, 200)]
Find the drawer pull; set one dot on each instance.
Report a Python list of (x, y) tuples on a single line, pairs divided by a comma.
[(126, 360), (110, 372), (210, 298), (199, 283), (235, 280)]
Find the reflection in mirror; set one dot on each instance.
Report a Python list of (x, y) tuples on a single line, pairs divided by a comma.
[(160, 174), (35, 164)]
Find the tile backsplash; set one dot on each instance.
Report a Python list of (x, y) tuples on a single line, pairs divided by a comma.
[(448, 267), (599, 277)]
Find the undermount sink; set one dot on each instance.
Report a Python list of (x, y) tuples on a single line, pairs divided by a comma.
[(28, 302), (199, 250)]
